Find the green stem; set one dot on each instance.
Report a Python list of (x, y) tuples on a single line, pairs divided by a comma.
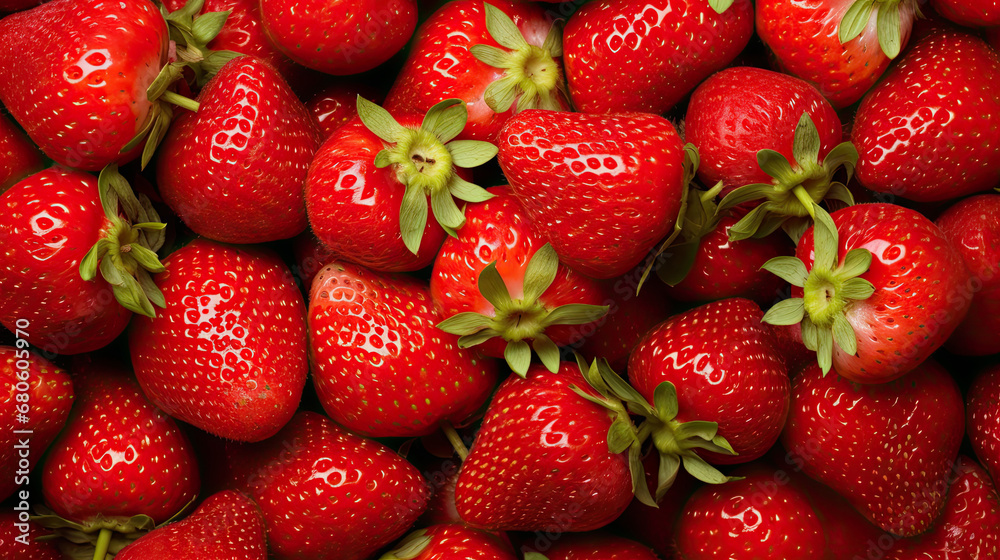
[(800, 193), (455, 440), (103, 542), (180, 101)]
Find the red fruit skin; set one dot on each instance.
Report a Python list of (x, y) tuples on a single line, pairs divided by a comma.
[(970, 525), (928, 131), (228, 354), (603, 188), (336, 37), (568, 480), (118, 455), (52, 219), (973, 226), (725, 269), (337, 104), (848, 533), (226, 526), (722, 361), (353, 206), (76, 74), (623, 55), (739, 111), (19, 157), (970, 13), (440, 65), (380, 365), (595, 545), (15, 543), (49, 393), (983, 418), (456, 541), (921, 290), (655, 526), (886, 448), (788, 343), (755, 517), (235, 170), (327, 494), (498, 230)]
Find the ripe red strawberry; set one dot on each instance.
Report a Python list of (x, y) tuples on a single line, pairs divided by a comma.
[(228, 354), (119, 457), (327, 494), (76, 74), (18, 538), (877, 288), (60, 227), (337, 104), (721, 359), (336, 37), (369, 185), (19, 157), (969, 13), (234, 170), (226, 526), (973, 226), (969, 527), (624, 55), (595, 545), (886, 448), (450, 542), (555, 440), (604, 189), (926, 132), (32, 412), (502, 287), (983, 418), (507, 58), (380, 365)]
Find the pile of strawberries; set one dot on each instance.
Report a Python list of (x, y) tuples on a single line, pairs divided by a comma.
[(607, 279)]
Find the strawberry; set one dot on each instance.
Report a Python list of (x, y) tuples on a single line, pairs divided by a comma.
[(19, 538), (310, 256), (380, 365), (623, 55), (335, 105), (34, 410), (120, 464), (506, 59), (877, 288), (886, 448), (226, 526), (327, 493), (450, 542), (604, 189), (983, 418), (50, 278), (229, 354), (19, 157), (840, 46), (969, 526), (368, 187), (502, 287), (253, 140), (339, 38), (596, 545), (973, 226), (926, 132), (77, 73), (969, 13), (654, 526)]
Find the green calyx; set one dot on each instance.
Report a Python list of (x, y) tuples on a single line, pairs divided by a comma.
[(532, 77), (519, 321), (720, 6), (412, 546), (424, 160), (828, 289), (126, 256), (787, 202), (888, 22)]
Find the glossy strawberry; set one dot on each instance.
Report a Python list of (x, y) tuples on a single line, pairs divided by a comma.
[(336, 105), (983, 418), (450, 542), (973, 226), (886, 448), (19, 157), (18, 538), (61, 226), (595, 545), (76, 76), (226, 526), (380, 365), (969, 13), (604, 189), (623, 55), (326, 493), (506, 59), (840, 46), (234, 169), (339, 38), (926, 132), (228, 354), (877, 288), (33, 411)]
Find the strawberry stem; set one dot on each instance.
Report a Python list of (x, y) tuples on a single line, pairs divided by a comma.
[(103, 542), (180, 101), (455, 440)]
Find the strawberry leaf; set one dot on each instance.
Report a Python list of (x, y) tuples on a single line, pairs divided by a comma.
[(855, 20), (540, 272), (518, 356), (575, 314), (206, 27), (413, 217), (720, 6), (502, 29), (786, 312), (806, 142), (471, 153), (446, 120), (665, 400), (547, 352), (857, 289), (844, 336), (379, 121), (700, 469), (464, 190), (888, 26), (445, 210), (789, 269)]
